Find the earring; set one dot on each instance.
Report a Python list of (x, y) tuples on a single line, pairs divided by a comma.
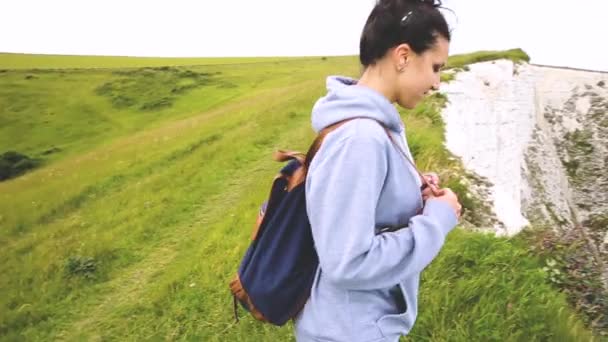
[(402, 65)]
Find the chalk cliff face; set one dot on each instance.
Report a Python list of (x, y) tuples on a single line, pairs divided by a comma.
[(540, 136)]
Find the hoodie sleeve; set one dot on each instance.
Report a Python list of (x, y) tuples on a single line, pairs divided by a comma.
[(342, 193)]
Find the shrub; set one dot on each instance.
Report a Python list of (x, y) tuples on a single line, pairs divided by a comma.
[(13, 164), (78, 266)]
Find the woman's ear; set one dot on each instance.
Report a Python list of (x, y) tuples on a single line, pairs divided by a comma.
[(401, 55)]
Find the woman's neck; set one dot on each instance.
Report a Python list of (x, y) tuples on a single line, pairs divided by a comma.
[(375, 77)]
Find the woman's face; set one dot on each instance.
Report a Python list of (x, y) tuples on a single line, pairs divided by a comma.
[(420, 74)]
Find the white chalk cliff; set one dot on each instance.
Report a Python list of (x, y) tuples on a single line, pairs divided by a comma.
[(540, 136)]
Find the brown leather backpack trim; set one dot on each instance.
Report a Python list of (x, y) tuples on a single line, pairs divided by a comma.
[(285, 155), (298, 176), (239, 293), (316, 144), (256, 227)]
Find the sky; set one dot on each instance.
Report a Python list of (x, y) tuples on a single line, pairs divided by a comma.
[(553, 32)]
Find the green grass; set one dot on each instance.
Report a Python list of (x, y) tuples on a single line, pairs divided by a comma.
[(483, 288), (34, 61), (69, 112), (459, 61), (447, 77), (133, 228)]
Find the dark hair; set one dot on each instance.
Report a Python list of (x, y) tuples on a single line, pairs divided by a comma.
[(417, 23)]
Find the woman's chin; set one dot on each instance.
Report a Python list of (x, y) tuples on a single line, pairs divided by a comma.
[(409, 105)]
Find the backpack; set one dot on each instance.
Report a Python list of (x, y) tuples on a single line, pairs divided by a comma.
[(276, 274)]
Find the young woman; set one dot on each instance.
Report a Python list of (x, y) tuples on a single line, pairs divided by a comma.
[(374, 228)]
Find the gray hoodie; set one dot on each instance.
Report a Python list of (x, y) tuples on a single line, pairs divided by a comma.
[(358, 184)]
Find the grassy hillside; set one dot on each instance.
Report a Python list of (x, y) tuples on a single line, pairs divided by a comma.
[(515, 55), (32, 61), (149, 185)]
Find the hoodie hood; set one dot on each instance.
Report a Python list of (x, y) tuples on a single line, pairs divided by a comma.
[(345, 99)]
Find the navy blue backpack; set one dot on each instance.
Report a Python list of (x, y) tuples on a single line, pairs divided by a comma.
[(275, 276)]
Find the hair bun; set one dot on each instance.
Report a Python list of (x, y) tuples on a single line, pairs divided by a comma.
[(417, 23), (408, 3), (432, 3)]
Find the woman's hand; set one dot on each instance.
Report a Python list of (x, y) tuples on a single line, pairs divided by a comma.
[(432, 178), (446, 195)]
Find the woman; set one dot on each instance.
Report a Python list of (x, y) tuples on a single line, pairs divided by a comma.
[(359, 183)]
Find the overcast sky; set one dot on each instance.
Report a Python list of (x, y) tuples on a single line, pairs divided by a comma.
[(555, 32)]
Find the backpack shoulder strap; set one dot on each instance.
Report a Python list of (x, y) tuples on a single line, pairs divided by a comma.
[(314, 148), (425, 183), (316, 144)]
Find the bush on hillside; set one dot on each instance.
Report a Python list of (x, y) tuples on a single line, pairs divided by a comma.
[(571, 267), (151, 89), (78, 266), (13, 164)]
